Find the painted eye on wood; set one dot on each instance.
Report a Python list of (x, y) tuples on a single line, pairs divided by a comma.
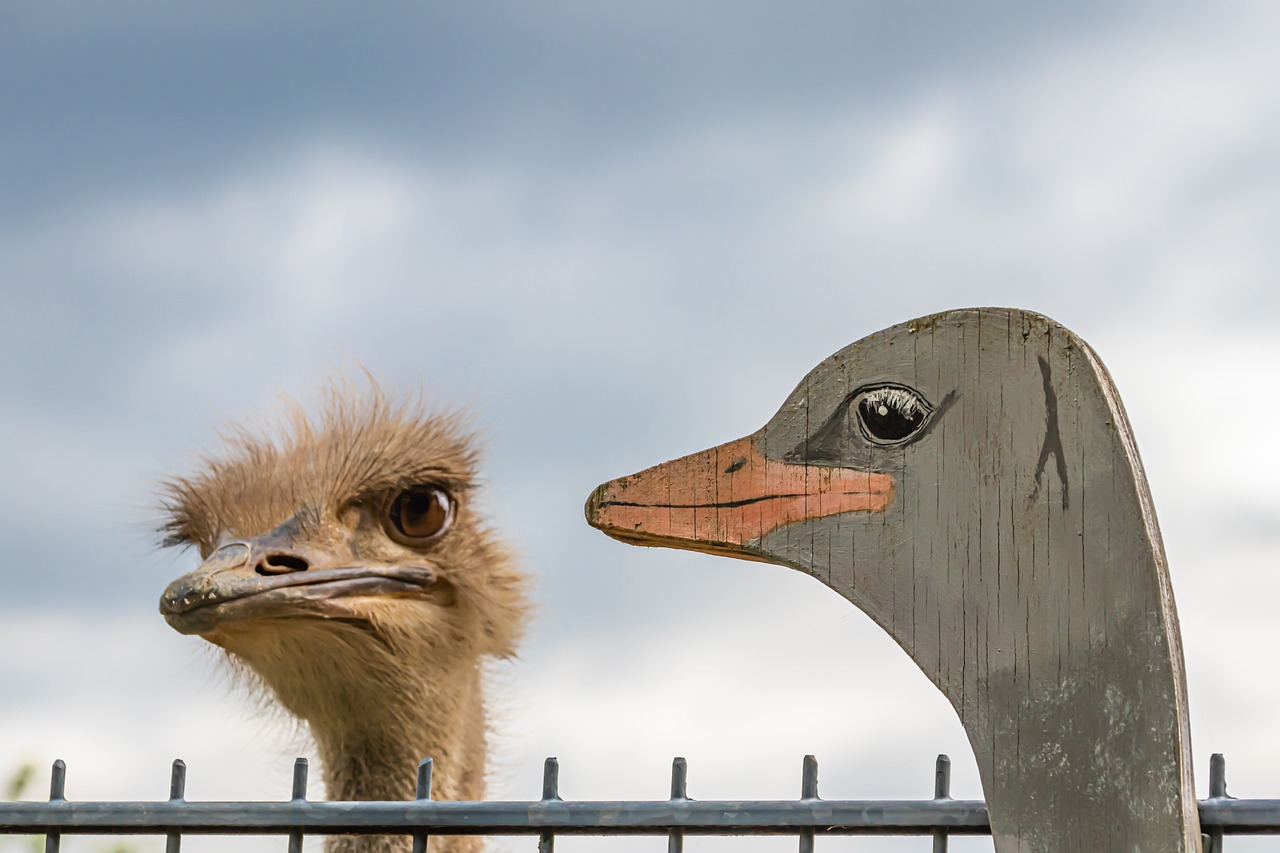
[(891, 414), (419, 514)]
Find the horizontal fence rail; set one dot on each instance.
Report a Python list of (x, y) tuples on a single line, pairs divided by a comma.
[(550, 816)]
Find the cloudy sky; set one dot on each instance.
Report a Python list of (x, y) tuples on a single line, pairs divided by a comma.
[(620, 233)]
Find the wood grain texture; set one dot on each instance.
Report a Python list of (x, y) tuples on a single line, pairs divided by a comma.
[(1004, 537)]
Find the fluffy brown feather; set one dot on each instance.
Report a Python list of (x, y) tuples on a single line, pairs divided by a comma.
[(390, 678)]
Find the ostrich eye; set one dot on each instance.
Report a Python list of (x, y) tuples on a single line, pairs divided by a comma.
[(420, 514), (891, 414)]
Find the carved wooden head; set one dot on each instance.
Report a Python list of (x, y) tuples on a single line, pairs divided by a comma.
[(970, 481)]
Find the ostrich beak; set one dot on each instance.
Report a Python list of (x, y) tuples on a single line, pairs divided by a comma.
[(724, 500), (255, 579)]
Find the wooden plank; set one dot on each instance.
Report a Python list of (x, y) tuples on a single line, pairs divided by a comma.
[(970, 481)]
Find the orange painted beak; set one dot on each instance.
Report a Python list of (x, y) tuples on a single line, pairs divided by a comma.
[(722, 499)]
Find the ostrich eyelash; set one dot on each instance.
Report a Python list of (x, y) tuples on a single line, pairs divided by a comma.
[(897, 400)]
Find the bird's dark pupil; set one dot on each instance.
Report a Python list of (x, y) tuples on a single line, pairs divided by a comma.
[(421, 512), (887, 421)]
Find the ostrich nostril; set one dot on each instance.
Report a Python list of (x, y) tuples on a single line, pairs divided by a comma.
[(279, 564)]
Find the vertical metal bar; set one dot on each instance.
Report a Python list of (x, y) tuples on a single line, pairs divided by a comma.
[(424, 793), (941, 791), (299, 795), (1217, 775), (1217, 788), (550, 791), (177, 790), (808, 791), (57, 793), (679, 792)]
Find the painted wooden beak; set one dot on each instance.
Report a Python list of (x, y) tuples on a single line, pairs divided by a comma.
[(726, 499)]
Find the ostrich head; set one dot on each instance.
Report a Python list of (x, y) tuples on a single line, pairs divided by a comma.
[(348, 572)]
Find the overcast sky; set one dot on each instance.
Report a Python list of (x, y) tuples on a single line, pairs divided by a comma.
[(620, 233)]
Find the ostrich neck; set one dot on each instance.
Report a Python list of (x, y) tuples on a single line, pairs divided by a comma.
[(1088, 754), (1070, 687), (375, 756)]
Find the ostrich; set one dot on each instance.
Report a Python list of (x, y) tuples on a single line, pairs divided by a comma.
[(349, 576)]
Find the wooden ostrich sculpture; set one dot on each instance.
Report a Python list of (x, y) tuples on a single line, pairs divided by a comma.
[(970, 481), (347, 570)]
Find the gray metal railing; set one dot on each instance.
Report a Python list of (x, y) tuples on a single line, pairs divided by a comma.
[(808, 817)]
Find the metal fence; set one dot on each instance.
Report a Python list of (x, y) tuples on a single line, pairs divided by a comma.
[(807, 818)]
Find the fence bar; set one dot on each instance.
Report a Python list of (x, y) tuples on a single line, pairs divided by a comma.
[(177, 791), (679, 793), (1220, 815), (550, 794), (808, 791), (57, 794), (423, 793), (1217, 791), (646, 817), (941, 791), (299, 796)]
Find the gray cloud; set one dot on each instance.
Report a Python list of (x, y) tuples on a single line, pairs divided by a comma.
[(101, 102), (622, 234)]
